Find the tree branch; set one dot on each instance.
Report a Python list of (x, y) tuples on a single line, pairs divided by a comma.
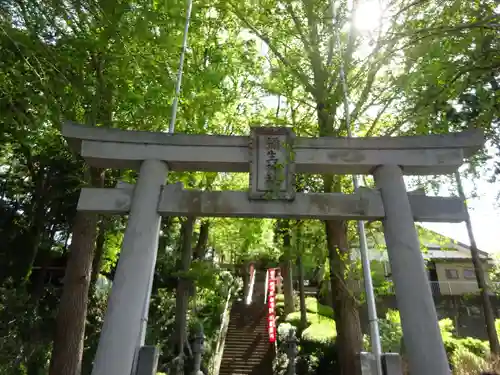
[(296, 71)]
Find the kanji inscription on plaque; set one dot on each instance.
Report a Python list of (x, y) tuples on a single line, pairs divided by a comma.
[(272, 170)]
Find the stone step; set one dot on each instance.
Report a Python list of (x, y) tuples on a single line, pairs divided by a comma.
[(244, 350), (243, 347), (247, 350), (247, 343), (247, 332), (239, 367), (247, 362)]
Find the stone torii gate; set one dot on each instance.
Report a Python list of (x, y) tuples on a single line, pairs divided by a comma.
[(272, 156)]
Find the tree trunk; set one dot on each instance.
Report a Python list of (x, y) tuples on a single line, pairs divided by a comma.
[(303, 312), (288, 286), (349, 337), (37, 228), (200, 250), (201, 246), (182, 297), (489, 316), (286, 267), (300, 266), (99, 253), (70, 323)]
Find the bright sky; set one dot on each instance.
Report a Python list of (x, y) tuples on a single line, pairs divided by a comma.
[(485, 216), (485, 209)]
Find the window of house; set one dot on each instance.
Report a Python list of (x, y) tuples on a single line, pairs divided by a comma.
[(469, 273), (451, 273)]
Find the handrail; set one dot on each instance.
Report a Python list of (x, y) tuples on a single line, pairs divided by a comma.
[(216, 362), (249, 295), (265, 286)]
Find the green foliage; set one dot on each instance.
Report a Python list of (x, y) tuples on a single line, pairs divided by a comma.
[(497, 326), (205, 308), (109, 63), (315, 313), (465, 362), (322, 332), (283, 330), (294, 318), (391, 332), (465, 354), (280, 308), (317, 341), (313, 306), (477, 347)]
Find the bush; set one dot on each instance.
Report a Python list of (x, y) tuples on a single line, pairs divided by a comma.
[(467, 355), (322, 332), (307, 363), (280, 303), (312, 305), (475, 346), (283, 330), (311, 318), (497, 326), (455, 345), (466, 363), (280, 308), (317, 351), (447, 328), (391, 332)]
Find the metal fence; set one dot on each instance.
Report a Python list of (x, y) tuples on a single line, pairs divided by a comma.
[(452, 288)]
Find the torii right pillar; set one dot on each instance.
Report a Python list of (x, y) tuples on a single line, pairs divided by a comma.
[(419, 321)]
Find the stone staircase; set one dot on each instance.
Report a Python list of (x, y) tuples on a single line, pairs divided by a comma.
[(247, 350)]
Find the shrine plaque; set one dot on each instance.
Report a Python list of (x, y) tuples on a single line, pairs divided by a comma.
[(272, 167)]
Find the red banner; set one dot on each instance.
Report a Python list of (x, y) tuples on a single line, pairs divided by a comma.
[(271, 304)]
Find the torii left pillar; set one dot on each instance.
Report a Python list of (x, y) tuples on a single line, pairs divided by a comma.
[(120, 337)]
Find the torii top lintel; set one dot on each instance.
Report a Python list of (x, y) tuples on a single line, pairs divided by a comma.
[(417, 155)]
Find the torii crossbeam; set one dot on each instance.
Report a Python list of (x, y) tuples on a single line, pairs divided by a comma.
[(386, 158)]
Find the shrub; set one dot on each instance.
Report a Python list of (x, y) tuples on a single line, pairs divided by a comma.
[(283, 329), (497, 326), (475, 346), (446, 327), (391, 332), (311, 318), (465, 363), (321, 332), (317, 353), (453, 344), (307, 363), (280, 308), (312, 305), (280, 303)]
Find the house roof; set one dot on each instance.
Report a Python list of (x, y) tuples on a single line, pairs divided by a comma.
[(435, 246), (450, 255), (448, 248)]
